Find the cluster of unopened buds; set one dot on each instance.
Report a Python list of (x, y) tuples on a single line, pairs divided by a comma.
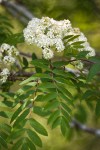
[(8, 56), (49, 34)]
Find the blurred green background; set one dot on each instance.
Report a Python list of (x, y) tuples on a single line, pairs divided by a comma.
[(84, 14)]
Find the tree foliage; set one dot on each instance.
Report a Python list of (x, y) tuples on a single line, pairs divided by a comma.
[(50, 91)]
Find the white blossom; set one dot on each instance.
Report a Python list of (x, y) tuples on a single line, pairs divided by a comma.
[(8, 59), (4, 47), (88, 48), (8, 55), (47, 53), (59, 45), (48, 33), (4, 75)]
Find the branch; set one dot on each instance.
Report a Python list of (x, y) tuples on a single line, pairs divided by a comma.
[(80, 126), (84, 60), (20, 76), (18, 11), (26, 54)]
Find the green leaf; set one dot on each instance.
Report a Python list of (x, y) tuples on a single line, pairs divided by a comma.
[(4, 135), (3, 114), (64, 90), (81, 114), (78, 43), (25, 62), (17, 133), (64, 127), (38, 127), (6, 23), (67, 37), (82, 54), (56, 123), (88, 94), (18, 144), (7, 103), (66, 99), (40, 111), (15, 39), (59, 63), (34, 56), (40, 63), (60, 73), (34, 137), (3, 143), (63, 81), (16, 113), (23, 96), (5, 95), (5, 127), (21, 117), (52, 105), (42, 75), (30, 144), (93, 71), (32, 78), (54, 115), (72, 38), (38, 69), (68, 109), (97, 109), (66, 114), (26, 87), (45, 85), (47, 97), (95, 59), (24, 146)]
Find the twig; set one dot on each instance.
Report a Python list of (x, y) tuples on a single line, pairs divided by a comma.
[(20, 76), (26, 54)]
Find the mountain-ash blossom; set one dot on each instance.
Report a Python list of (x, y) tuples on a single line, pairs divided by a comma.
[(47, 53), (8, 56), (49, 34), (8, 59), (4, 75)]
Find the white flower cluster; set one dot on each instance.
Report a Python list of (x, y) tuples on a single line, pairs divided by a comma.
[(7, 57), (4, 75), (8, 53), (48, 34)]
